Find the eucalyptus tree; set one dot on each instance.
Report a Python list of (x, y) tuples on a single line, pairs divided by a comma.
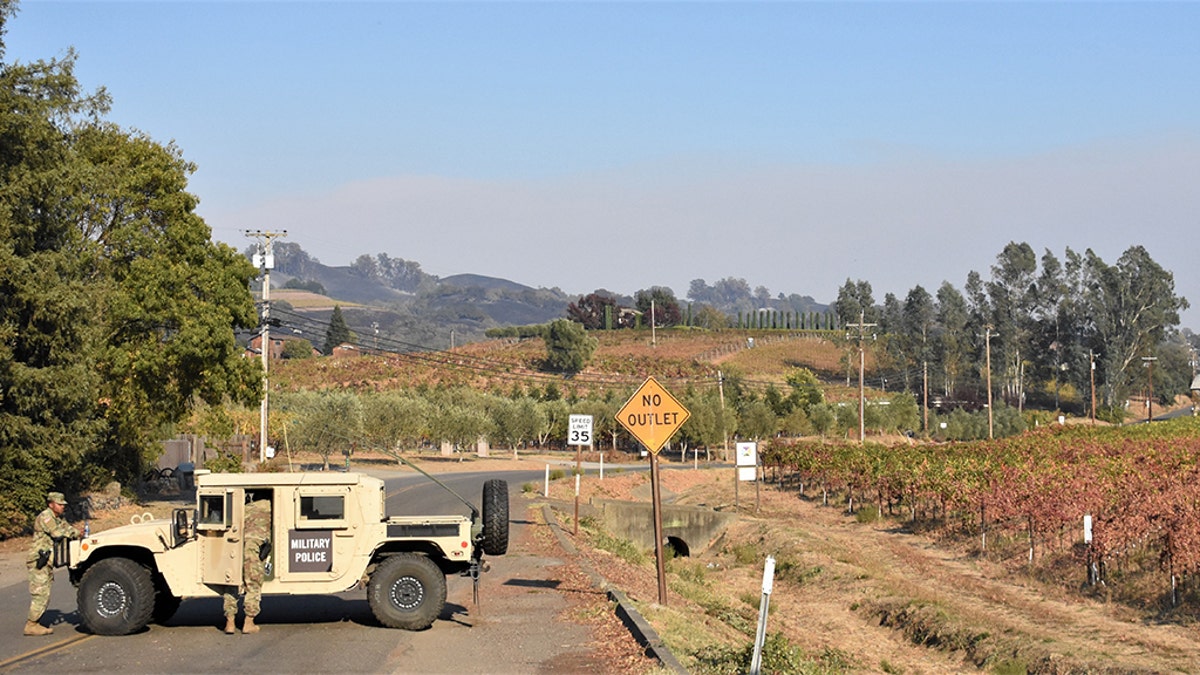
[(1012, 293), (979, 323), (892, 353), (855, 304), (920, 316), (1132, 308), (952, 337), (1057, 337)]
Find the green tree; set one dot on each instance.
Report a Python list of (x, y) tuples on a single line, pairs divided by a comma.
[(1012, 295), (952, 339), (556, 415), (796, 423), (855, 304), (1132, 307), (918, 326), (806, 388), (662, 300), (891, 350), (568, 346), (460, 424), (337, 333), (324, 422), (824, 418), (592, 310), (117, 311), (855, 301), (393, 420), (757, 421), (517, 421), (297, 349), (707, 316)]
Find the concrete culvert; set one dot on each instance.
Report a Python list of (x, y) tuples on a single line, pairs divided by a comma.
[(679, 547)]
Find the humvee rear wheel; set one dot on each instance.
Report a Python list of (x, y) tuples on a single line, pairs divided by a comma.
[(407, 591), (116, 597), (495, 517)]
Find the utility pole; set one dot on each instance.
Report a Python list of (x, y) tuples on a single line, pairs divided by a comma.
[(264, 260), (862, 325), (925, 394), (1092, 360), (653, 337), (1149, 361), (724, 432), (987, 341)]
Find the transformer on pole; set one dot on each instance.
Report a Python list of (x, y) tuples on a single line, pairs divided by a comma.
[(264, 260)]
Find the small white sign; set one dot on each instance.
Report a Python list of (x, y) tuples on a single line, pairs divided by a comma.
[(747, 461), (579, 430), (747, 454)]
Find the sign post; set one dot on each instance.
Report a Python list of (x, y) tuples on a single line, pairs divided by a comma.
[(579, 434), (653, 415), (747, 470)]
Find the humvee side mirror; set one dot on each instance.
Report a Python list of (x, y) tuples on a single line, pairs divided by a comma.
[(183, 525)]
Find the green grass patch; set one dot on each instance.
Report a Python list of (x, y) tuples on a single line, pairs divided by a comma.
[(779, 655), (622, 548)]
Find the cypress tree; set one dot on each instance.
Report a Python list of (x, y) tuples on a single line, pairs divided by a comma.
[(338, 332)]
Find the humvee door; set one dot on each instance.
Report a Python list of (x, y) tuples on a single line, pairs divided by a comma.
[(219, 529)]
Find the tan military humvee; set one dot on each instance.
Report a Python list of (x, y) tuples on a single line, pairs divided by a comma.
[(329, 533)]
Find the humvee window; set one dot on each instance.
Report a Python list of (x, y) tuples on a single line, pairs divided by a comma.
[(319, 510), (214, 512)]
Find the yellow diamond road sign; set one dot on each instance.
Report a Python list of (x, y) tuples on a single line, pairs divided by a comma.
[(652, 415)]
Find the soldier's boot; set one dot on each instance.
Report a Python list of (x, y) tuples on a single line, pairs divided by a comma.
[(249, 626), (230, 628), (35, 628)]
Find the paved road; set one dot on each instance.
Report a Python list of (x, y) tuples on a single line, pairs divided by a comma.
[(515, 629)]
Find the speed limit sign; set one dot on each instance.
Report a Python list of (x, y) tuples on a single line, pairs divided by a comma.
[(579, 430)]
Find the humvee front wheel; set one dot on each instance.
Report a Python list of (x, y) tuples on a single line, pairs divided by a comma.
[(116, 597), (407, 591)]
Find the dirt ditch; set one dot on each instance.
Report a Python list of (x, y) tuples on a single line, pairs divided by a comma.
[(876, 598)]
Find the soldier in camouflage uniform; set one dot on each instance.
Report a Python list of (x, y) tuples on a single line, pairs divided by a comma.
[(256, 533), (48, 527)]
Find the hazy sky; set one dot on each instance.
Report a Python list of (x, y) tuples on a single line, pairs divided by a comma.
[(624, 145)]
